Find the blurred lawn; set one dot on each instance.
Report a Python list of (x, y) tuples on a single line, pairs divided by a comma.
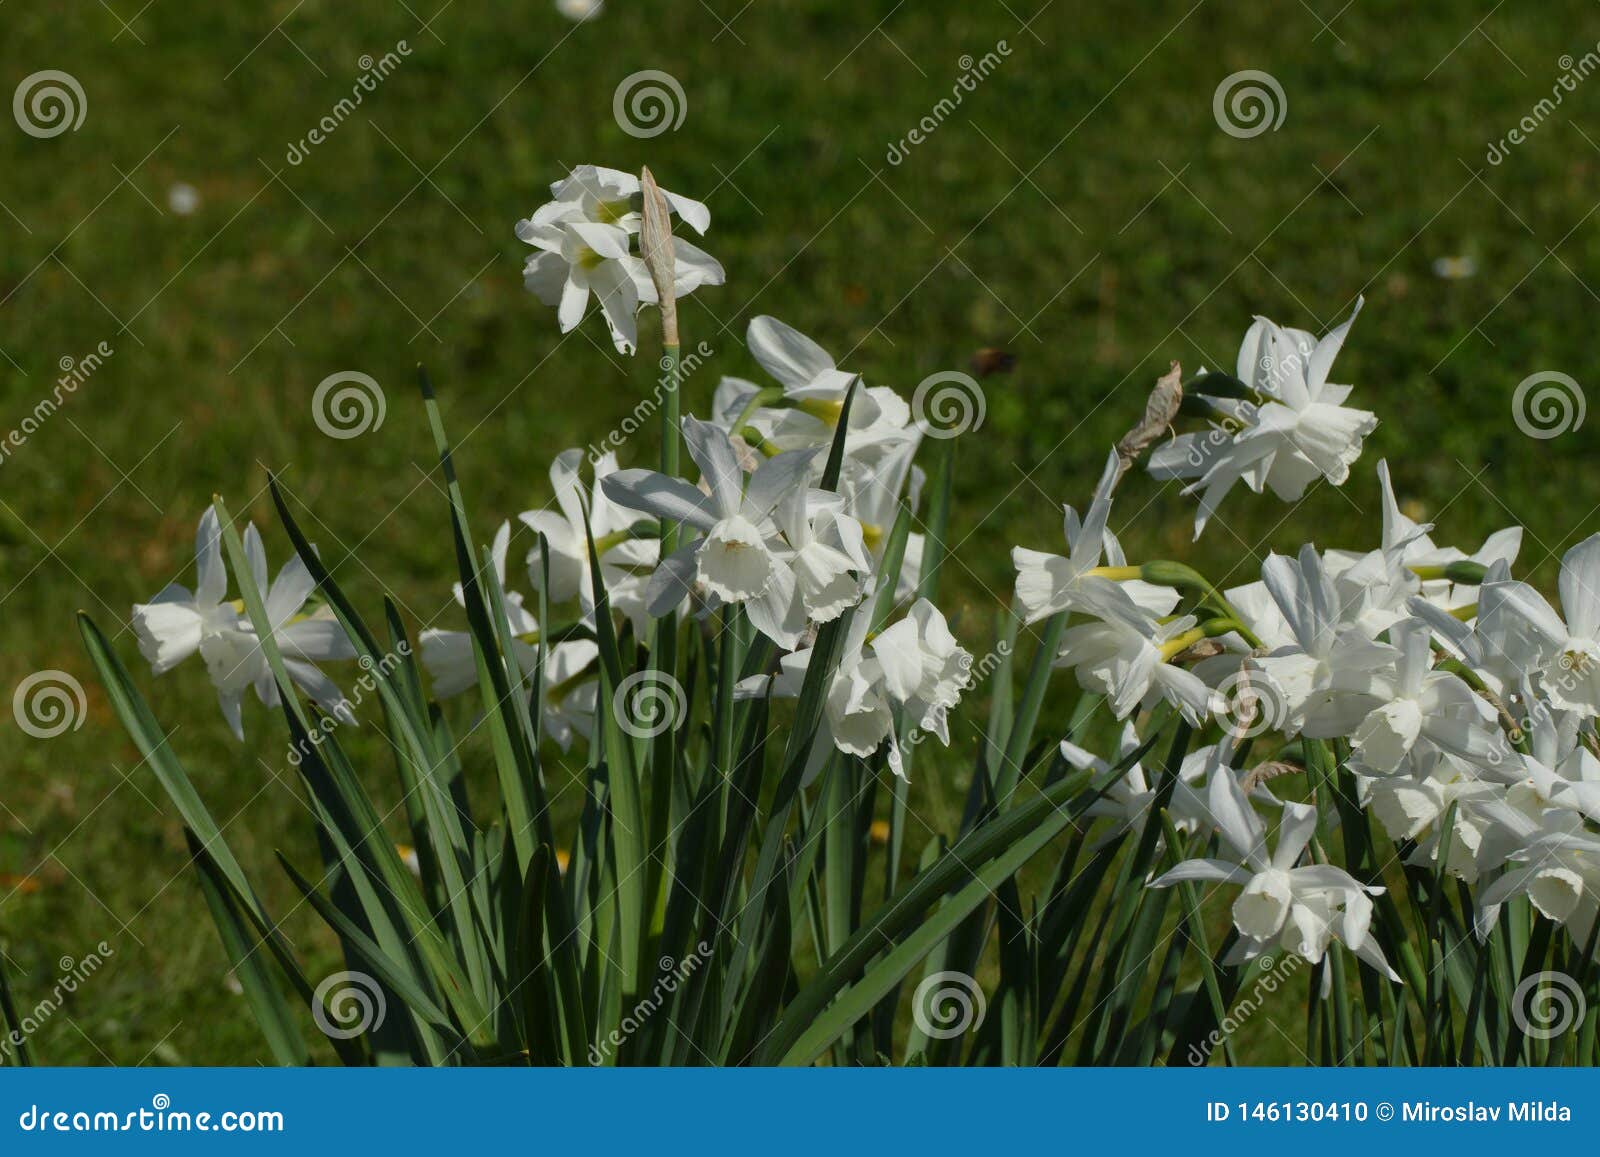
[(1081, 209)]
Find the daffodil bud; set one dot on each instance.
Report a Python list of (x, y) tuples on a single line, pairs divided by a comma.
[(1166, 573), (1219, 386), (1466, 571), (655, 248)]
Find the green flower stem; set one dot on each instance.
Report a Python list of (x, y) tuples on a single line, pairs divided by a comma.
[(663, 757), (670, 435), (770, 396), (1209, 629), (1190, 581)]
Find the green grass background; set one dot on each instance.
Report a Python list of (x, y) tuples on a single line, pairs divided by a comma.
[(1081, 209)]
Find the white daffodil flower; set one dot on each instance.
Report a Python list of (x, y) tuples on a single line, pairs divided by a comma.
[(571, 690), (585, 258), (582, 241), (605, 195), (1409, 544), (1520, 629), (1569, 782), (739, 556), (827, 552), (1459, 638), (1048, 584), (1375, 588), (1328, 651), (1300, 908), (1560, 875), (814, 390), (1408, 806), (924, 668), (875, 486), (579, 10), (915, 664), (569, 677), (625, 561), (448, 655), (1129, 803), (234, 657), (176, 624), (1297, 431), (1406, 704), (1126, 656)]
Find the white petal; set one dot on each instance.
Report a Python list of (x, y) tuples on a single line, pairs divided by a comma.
[(211, 581), (734, 562), (1580, 588), (719, 466), (784, 352), (654, 493)]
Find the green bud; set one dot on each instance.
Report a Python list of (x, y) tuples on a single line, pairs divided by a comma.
[(1165, 573), (1466, 571), (1220, 386)]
